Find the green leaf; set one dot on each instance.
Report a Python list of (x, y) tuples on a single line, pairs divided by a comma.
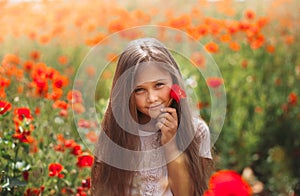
[(7, 157)]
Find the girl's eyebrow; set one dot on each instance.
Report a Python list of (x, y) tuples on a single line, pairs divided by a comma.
[(155, 81)]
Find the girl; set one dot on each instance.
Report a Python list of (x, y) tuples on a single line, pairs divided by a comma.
[(164, 149)]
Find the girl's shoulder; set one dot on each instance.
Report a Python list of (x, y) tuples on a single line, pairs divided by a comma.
[(202, 135), (201, 128)]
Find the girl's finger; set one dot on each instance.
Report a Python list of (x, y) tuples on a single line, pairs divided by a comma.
[(171, 111), (159, 125), (164, 121), (170, 124), (167, 116)]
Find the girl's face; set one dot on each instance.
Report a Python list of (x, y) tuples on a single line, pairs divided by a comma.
[(152, 91)]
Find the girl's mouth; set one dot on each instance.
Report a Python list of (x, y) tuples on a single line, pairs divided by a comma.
[(156, 107)]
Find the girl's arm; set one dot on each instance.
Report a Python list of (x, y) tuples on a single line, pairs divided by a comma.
[(180, 181), (179, 178)]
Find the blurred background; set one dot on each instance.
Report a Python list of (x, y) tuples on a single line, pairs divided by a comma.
[(43, 42)]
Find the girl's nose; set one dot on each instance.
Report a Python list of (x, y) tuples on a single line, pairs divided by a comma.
[(152, 96)]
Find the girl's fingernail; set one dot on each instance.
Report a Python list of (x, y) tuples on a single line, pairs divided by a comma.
[(161, 109)]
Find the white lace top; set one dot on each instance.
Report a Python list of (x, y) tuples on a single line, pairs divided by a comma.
[(152, 182)]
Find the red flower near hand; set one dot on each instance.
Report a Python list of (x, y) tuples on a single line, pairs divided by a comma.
[(177, 93), (227, 183), (4, 107), (85, 161)]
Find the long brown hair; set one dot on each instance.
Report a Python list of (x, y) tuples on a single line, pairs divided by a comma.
[(110, 180)]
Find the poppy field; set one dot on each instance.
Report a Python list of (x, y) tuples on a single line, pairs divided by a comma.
[(254, 43)]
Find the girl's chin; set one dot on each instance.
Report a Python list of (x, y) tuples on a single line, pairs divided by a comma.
[(154, 113)]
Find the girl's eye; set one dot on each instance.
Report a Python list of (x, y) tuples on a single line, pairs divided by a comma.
[(158, 85), (139, 90)]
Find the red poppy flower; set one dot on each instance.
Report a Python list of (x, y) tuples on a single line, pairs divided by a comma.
[(80, 191), (33, 192), (198, 59), (4, 82), (41, 85), (35, 55), (84, 123), (55, 169), (63, 113), (78, 108), (63, 60), (177, 93), (76, 149), (70, 143), (250, 14), (85, 161), (86, 183), (214, 82), (74, 96), (24, 137), (28, 65), (22, 120), (60, 81), (292, 99), (227, 183), (60, 104), (22, 113), (25, 175), (92, 136), (4, 107), (59, 148), (212, 47), (11, 59)]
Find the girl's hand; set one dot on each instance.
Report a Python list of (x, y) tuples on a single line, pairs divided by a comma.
[(167, 122)]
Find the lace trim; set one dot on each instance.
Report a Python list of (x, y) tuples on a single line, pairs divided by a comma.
[(148, 182)]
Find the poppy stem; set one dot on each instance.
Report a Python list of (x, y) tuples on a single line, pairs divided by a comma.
[(170, 101)]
